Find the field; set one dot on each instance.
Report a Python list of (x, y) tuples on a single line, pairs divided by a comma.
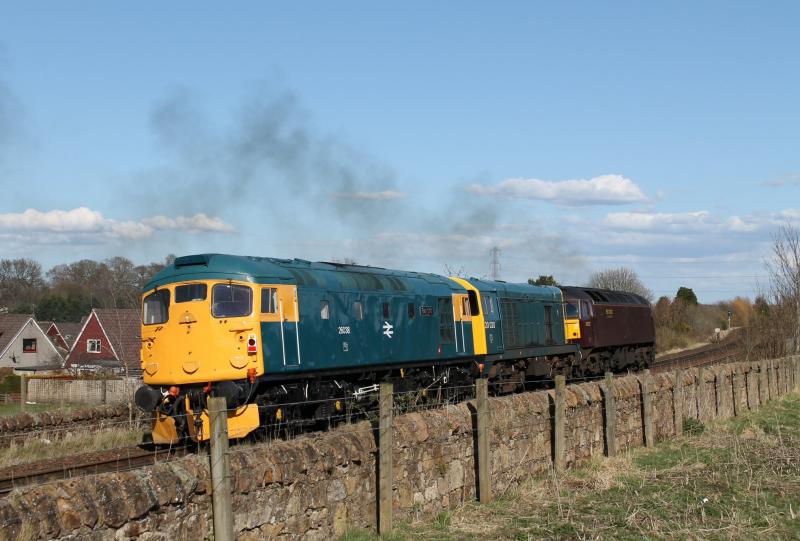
[(734, 479)]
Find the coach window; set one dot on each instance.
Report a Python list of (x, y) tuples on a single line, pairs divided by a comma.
[(358, 310), (269, 300), (412, 311), (324, 310), (229, 300), (386, 310), (156, 307), (191, 292)]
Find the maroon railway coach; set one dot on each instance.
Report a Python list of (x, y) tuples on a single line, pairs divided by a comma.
[(616, 328)]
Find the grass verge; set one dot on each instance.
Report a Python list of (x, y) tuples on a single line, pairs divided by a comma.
[(734, 479), (79, 441)]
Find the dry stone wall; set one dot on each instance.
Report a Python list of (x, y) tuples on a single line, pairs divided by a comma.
[(315, 487)]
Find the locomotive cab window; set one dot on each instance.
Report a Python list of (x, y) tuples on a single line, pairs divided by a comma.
[(191, 292), (474, 305), (269, 300), (465, 307), (229, 300), (156, 307), (571, 310)]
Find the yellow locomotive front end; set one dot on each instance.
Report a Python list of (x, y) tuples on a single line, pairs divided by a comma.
[(199, 338)]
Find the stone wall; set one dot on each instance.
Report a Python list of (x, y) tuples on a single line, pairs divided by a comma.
[(315, 487)]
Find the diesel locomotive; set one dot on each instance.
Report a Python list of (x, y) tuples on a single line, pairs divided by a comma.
[(288, 339)]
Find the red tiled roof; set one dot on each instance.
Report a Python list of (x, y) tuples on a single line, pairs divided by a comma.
[(123, 328)]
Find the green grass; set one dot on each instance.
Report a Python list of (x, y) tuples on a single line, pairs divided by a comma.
[(735, 479), (14, 409)]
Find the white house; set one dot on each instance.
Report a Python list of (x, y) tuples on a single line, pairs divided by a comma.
[(23, 344)]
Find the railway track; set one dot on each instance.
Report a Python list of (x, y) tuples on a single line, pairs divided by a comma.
[(129, 458), (122, 459), (727, 351)]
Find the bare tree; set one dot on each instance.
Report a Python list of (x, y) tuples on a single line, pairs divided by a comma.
[(784, 275), (21, 282), (620, 279)]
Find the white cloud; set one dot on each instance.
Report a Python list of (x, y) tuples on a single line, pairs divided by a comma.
[(86, 225), (659, 221), (602, 190), (194, 224), (369, 196)]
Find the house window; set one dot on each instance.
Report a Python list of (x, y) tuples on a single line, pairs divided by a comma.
[(93, 345), (324, 310), (269, 300), (29, 345)]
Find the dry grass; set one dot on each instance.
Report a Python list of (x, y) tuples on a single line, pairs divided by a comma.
[(74, 442), (739, 479)]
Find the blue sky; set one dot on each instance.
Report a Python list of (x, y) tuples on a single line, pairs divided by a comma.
[(574, 136)]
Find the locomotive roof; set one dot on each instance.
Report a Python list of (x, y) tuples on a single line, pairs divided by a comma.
[(604, 296), (543, 293), (262, 270)]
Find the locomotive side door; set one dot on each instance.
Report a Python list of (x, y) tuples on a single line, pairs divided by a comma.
[(462, 320), (587, 330), (280, 327)]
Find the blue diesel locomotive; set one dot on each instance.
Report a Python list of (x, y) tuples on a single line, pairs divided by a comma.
[(285, 339)]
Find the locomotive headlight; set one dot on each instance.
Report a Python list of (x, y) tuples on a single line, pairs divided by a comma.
[(252, 346)]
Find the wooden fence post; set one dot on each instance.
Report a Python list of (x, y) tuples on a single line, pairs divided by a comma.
[(737, 396), (677, 402), (700, 393), (719, 379), (104, 390), (220, 469), (559, 441), (23, 393), (484, 473), (385, 444), (611, 419), (773, 391), (647, 409), (763, 383)]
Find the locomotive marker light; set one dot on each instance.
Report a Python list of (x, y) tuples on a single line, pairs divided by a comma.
[(252, 347)]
